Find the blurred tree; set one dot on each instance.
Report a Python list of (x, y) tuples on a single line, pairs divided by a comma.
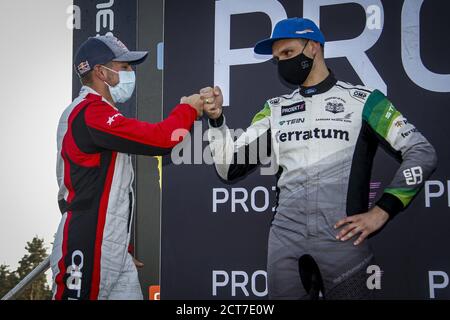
[(39, 289), (8, 279)]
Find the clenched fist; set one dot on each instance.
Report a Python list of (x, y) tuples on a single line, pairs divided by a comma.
[(195, 101), (213, 101)]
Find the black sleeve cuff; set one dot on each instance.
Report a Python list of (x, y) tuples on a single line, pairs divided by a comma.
[(391, 204), (218, 122)]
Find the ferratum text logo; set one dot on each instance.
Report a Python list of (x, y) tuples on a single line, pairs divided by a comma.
[(316, 133)]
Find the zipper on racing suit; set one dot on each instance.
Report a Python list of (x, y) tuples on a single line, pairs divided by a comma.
[(131, 213)]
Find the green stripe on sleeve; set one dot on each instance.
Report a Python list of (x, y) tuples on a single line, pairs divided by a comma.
[(379, 113), (264, 113), (405, 195)]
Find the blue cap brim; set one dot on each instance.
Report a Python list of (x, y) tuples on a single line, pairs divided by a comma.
[(265, 46)]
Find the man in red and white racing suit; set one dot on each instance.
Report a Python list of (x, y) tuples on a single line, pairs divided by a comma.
[(90, 258)]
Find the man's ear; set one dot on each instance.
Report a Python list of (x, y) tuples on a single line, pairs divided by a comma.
[(315, 47), (100, 73)]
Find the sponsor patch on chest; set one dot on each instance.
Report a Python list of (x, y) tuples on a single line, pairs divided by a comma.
[(335, 105), (293, 108)]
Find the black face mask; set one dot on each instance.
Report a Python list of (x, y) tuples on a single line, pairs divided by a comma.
[(297, 69)]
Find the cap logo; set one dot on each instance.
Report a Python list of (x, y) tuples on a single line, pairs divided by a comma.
[(83, 67), (120, 44), (304, 31)]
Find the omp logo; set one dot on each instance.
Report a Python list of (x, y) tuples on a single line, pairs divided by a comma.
[(105, 17), (360, 94), (293, 108), (154, 293), (275, 101), (73, 282), (317, 133), (413, 176)]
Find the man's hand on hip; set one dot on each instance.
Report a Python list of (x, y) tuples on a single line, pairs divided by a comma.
[(363, 224)]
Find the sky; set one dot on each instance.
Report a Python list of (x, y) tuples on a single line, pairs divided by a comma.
[(35, 87)]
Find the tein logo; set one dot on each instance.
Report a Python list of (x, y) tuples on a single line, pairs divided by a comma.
[(154, 293)]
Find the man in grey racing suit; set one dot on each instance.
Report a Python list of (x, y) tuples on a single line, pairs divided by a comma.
[(323, 137)]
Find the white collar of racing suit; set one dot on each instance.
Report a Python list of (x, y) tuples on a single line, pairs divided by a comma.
[(85, 90)]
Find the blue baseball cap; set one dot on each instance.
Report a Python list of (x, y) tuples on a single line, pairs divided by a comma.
[(104, 49), (292, 28)]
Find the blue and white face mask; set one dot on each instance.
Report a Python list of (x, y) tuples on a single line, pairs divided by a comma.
[(122, 91)]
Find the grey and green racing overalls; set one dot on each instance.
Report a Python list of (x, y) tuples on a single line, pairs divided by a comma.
[(323, 140)]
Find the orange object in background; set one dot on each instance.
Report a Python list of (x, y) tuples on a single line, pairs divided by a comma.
[(154, 293)]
